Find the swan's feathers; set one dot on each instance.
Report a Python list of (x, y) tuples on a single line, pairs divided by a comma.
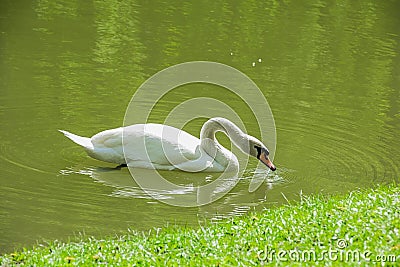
[(109, 138), (151, 142), (164, 147)]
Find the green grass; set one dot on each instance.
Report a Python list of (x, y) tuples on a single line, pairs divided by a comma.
[(339, 230)]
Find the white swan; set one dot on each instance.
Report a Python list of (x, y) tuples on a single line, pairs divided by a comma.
[(157, 146)]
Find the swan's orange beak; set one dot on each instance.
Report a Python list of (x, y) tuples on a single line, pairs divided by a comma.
[(265, 159)]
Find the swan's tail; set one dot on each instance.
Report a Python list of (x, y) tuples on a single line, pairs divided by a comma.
[(80, 140)]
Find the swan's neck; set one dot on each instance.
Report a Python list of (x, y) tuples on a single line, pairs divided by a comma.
[(210, 145)]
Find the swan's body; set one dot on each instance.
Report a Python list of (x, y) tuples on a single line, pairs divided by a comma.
[(157, 146)]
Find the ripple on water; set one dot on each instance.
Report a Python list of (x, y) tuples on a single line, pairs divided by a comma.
[(337, 151)]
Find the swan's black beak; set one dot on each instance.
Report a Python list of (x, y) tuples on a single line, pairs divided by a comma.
[(265, 159)]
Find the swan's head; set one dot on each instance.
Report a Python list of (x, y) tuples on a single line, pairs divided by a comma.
[(261, 152)]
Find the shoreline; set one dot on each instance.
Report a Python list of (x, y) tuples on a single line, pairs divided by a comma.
[(361, 226)]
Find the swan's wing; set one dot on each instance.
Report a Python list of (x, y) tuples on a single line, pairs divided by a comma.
[(159, 144), (152, 143), (109, 138), (108, 146)]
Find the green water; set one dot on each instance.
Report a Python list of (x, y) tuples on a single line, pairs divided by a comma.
[(330, 71)]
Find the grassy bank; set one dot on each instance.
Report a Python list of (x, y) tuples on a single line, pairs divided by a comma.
[(362, 226)]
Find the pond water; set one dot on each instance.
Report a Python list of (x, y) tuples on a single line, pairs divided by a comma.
[(330, 72)]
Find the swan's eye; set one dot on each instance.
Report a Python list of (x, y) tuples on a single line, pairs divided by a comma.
[(258, 151)]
